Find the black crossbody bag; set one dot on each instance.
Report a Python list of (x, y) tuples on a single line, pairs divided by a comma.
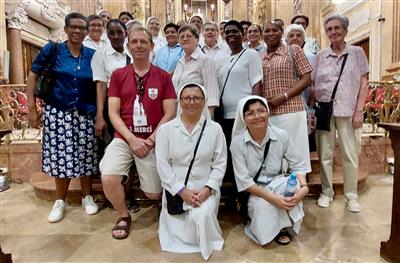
[(243, 197), (324, 110), (219, 111), (44, 82), (175, 202)]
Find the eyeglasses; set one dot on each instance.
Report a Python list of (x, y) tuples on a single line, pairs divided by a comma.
[(188, 99), (140, 86), (252, 114), (186, 36), (75, 27), (96, 25)]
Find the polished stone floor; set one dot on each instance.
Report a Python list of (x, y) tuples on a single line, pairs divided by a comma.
[(327, 235)]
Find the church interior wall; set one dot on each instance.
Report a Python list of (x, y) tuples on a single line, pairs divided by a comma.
[(365, 17)]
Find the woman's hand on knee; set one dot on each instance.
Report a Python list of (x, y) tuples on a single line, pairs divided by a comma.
[(283, 202), (189, 197), (204, 194)]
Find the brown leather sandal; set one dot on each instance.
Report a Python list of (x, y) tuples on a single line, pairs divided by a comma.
[(125, 228)]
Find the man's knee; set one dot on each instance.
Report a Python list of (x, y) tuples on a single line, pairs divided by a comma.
[(153, 196), (111, 180)]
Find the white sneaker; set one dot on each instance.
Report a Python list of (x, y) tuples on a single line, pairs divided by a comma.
[(324, 200), (353, 206), (57, 212), (89, 205)]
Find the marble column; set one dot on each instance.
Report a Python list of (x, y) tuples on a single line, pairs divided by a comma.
[(3, 40), (395, 66), (158, 9), (16, 18), (239, 10)]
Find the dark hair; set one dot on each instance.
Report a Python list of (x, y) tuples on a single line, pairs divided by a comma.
[(115, 21), (244, 22), (93, 17), (234, 23), (171, 25), (300, 16), (191, 28), (75, 15), (273, 22), (127, 13), (279, 20), (246, 106)]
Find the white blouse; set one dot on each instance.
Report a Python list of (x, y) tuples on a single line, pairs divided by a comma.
[(174, 151), (198, 69)]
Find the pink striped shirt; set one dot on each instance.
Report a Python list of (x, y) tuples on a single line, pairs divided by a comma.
[(326, 69)]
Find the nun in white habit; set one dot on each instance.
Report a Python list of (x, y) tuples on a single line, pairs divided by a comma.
[(197, 229), (154, 26), (272, 215)]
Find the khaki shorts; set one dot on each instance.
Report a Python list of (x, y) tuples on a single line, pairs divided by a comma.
[(118, 159)]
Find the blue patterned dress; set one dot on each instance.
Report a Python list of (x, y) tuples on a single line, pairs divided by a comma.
[(69, 147)]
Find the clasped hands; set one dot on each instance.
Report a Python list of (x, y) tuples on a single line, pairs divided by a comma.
[(288, 203), (140, 147), (195, 199)]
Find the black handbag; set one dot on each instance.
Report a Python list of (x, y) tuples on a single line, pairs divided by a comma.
[(44, 82), (219, 111), (324, 110), (175, 202), (243, 197)]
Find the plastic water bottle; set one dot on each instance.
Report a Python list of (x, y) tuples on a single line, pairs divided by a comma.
[(291, 185)]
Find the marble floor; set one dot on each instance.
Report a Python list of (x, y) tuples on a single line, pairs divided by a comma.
[(327, 235)]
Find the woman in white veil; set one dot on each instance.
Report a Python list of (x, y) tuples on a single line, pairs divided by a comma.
[(272, 216), (197, 228), (154, 26)]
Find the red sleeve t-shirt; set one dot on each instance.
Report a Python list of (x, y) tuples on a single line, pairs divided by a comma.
[(157, 87)]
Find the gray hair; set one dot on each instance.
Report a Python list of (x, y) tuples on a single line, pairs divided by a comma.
[(210, 23), (344, 20), (295, 27)]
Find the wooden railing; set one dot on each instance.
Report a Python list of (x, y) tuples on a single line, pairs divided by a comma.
[(14, 114), (382, 104)]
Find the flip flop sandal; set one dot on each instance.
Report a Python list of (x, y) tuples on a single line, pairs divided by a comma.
[(283, 235), (125, 228)]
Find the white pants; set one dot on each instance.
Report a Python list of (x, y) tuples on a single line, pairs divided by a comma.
[(295, 124), (350, 144)]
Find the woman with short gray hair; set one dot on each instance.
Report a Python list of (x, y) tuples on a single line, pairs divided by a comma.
[(345, 67)]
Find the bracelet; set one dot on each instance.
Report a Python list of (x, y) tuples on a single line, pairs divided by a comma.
[(303, 185), (286, 96), (181, 191)]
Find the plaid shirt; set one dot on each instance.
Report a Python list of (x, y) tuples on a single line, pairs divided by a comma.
[(279, 76)]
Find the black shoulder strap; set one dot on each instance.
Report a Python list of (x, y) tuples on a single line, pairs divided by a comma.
[(340, 74), (262, 164), (292, 62), (229, 72), (55, 47), (128, 59), (195, 151)]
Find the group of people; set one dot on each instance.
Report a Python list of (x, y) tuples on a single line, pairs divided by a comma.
[(207, 103)]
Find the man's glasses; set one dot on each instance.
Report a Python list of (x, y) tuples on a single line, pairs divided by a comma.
[(188, 99)]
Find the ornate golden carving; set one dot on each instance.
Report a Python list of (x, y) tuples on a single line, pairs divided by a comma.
[(260, 12)]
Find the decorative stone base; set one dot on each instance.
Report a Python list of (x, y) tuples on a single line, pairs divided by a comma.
[(45, 189)]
